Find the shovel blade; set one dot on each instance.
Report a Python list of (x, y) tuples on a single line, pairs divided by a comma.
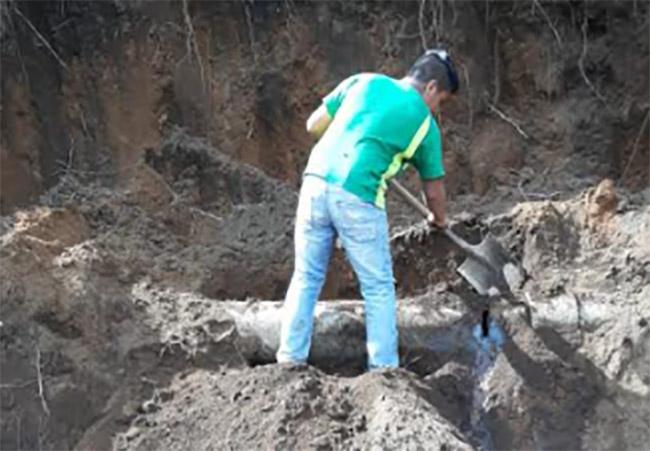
[(485, 274), (477, 275)]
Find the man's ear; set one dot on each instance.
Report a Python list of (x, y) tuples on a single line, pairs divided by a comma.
[(431, 87)]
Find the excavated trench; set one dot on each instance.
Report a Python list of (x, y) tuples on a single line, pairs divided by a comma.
[(123, 268), (95, 266), (242, 222), (424, 262)]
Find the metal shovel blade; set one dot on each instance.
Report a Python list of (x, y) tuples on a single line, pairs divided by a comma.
[(485, 269)]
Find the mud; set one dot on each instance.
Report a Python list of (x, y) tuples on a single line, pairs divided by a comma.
[(142, 193)]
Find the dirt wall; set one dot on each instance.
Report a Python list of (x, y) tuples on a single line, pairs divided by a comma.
[(88, 86)]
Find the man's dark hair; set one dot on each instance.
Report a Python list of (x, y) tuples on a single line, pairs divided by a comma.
[(436, 65)]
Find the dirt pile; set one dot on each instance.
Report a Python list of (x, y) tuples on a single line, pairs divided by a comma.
[(71, 265), (276, 407), (567, 380), (192, 219)]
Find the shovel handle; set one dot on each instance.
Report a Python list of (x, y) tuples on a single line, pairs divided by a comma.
[(424, 211), (410, 199)]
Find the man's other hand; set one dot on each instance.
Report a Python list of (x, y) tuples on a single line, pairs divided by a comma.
[(318, 122), (433, 222)]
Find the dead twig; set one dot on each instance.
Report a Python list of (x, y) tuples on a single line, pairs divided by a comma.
[(521, 190), (19, 385), (497, 75), (470, 103), (423, 37), (178, 199), (192, 44), (82, 118), (536, 196), (206, 214), (42, 39), (548, 20), (83, 173), (68, 164), (509, 120), (251, 30), (454, 14), (581, 63), (635, 147), (39, 378), (18, 51), (437, 19)]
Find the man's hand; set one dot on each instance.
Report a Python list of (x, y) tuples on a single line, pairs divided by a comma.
[(431, 220), (318, 121)]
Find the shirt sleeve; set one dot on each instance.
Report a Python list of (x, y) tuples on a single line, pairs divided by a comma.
[(334, 99), (428, 157)]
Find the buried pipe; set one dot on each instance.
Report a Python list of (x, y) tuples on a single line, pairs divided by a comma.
[(427, 331), (430, 328)]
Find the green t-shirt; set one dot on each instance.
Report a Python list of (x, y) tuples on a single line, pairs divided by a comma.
[(378, 125)]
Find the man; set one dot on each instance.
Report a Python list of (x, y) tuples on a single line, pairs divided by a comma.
[(369, 126)]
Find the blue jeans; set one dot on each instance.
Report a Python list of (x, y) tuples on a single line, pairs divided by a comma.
[(326, 210)]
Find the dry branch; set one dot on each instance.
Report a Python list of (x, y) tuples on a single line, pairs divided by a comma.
[(470, 103), (635, 147), (497, 74), (437, 19), (581, 64), (18, 52), (509, 120), (42, 39), (84, 124), (251, 31), (548, 20), (206, 214), (535, 196), (19, 385), (192, 45), (421, 25), (39, 378)]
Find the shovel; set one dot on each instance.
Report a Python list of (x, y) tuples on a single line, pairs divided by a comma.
[(488, 269)]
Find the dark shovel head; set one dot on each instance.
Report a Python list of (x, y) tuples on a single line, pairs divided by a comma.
[(485, 270)]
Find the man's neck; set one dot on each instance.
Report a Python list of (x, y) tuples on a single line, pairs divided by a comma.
[(410, 81)]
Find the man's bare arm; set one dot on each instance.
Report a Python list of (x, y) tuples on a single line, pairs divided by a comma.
[(318, 121), (434, 191)]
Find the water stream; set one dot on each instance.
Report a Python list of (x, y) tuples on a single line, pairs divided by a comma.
[(489, 338)]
